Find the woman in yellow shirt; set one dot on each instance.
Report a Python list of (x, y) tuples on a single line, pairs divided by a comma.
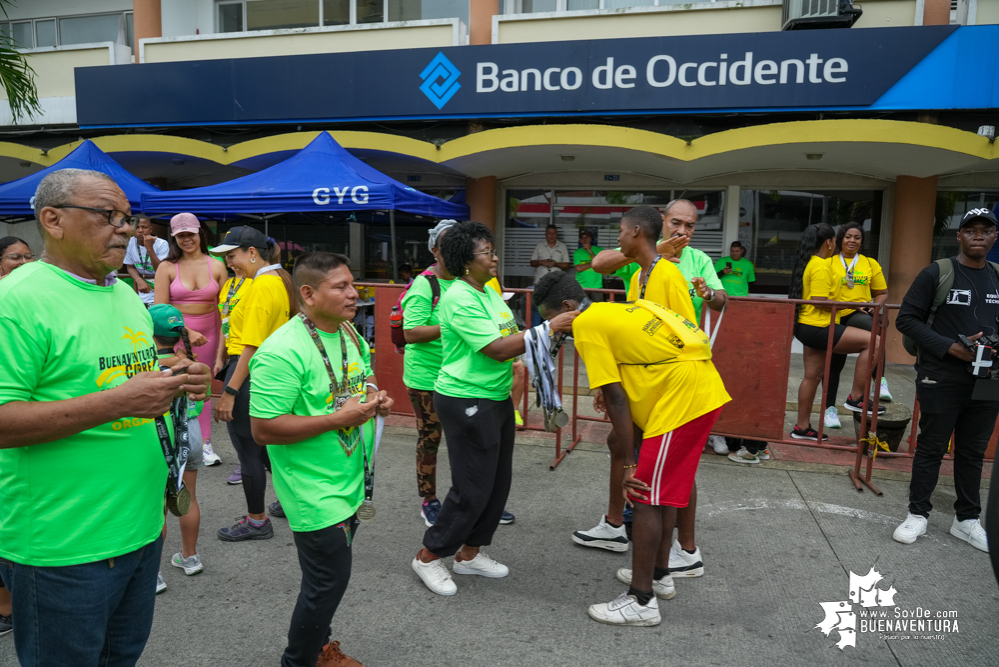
[(811, 280), (857, 278), (269, 302)]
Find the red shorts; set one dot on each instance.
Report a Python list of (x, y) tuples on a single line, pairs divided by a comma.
[(668, 462)]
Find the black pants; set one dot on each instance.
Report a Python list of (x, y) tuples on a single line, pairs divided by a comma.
[(752, 446), (325, 558), (253, 459), (945, 408), (857, 320), (480, 436)]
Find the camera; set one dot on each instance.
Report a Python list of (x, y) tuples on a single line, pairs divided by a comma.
[(983, 366)]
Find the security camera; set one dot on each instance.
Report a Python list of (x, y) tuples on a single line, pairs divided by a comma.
[(987, 131)]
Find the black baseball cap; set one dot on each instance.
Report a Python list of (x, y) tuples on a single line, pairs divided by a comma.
[(979, 214), (241, 237)]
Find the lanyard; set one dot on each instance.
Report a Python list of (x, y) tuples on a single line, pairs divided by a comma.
[(233, 288), (175, 450), (849, 269), (641, 293), (349, 438), (269, 267)]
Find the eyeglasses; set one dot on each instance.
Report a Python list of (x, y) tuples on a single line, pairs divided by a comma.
[(27, 257), (493, 253), (115, 217)]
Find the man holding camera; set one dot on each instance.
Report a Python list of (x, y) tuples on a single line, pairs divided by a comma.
[(949, 386)]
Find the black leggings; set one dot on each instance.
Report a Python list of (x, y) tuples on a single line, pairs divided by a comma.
[(253, 458), (480, 435), (858, 320)]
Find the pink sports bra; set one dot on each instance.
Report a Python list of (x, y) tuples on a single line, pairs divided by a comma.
[(207, 294)]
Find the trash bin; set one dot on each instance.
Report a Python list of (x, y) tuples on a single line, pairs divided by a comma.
[(893, 425)]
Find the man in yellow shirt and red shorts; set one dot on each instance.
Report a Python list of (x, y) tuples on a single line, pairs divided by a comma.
[(663, 396)]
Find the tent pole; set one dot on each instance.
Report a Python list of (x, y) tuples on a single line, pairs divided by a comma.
[(266, 232), (395, 261)]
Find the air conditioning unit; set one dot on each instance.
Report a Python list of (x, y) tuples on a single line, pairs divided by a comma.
[(815, 14)]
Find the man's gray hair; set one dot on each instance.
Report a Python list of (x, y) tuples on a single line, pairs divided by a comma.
[(59, 187), (680, 201)]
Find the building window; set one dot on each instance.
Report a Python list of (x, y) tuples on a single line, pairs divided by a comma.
[(67, 30), (245, 15), (951, 207), (534, 6)]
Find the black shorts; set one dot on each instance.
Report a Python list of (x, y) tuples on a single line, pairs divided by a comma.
[(817, 337)]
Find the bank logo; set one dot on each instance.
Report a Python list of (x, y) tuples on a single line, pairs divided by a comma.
[(878, 614), (440, 80)]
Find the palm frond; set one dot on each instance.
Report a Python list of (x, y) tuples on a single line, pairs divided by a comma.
[(16, 76)]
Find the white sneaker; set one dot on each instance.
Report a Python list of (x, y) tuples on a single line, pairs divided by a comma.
[(971, 531), (663, 588), (603, 536), (743, 456), (209, 456), (435, 576), (885, 394), (625, 610), (913, 526), (682, 564), (160, 584), (831, 418), (763, 454), (718, 444), (482, 565), (191, 566)]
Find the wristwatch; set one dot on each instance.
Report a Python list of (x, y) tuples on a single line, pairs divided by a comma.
[(229, 390)]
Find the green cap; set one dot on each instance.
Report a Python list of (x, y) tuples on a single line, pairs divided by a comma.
[(167, 320)]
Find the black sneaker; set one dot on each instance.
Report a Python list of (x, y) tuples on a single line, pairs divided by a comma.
[(506, 519), (276, 509), (807, 434), (856, 407), (244, 530)]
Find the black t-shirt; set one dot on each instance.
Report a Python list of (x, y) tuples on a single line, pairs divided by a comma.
[(972, 306)]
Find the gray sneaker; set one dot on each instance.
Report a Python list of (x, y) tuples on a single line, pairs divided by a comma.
[(244, 530), (191, 566), (160, 584), (6, 624)]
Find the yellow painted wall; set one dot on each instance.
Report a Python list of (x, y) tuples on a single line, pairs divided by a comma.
[(300, 43), (54, 69), (888, 14), (988, 12)]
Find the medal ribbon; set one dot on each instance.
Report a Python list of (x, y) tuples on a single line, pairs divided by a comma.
[(233, 288), (175, 451), (641, 293), (849, 269), (341, 392)]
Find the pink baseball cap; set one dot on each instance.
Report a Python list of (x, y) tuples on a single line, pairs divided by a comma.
[(184, 222)]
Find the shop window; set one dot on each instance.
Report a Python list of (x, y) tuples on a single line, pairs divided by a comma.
[(771, 223), (951, 207)]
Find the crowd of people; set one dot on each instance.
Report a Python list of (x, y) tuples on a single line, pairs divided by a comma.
[(116, 380)]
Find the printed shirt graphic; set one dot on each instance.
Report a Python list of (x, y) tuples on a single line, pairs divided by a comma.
[(667, 287), (589, 278), (87, 339), (318, 481), (470, 320), (816, 282), (661, 358), (737, 282), (139, 258), (264, 309), (867, 276), (237, 297), (422, 361)]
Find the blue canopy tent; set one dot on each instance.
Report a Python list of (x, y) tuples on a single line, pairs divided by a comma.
[(16, 197), (320, 178)]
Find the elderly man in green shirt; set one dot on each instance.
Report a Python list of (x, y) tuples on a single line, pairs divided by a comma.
[(680, 219)]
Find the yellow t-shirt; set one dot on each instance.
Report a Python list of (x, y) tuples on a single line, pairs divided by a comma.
[(263, 310), (817, 282), (494, 283), (237, 297), (667, 287), (867, 276), (662, 360)]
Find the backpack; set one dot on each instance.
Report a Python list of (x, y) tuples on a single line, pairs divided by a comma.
[(398, 337), (944, 284)]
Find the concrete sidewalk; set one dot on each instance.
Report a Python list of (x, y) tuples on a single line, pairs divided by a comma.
[(777, 540)]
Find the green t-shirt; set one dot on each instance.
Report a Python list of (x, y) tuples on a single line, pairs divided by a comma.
[(320, 481), (626, 272), (97, 494), (695, 263), (422, 361), (470, 320), (589, 278), (737, 282)]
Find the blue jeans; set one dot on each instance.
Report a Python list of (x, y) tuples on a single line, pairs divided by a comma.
[(97, 613)]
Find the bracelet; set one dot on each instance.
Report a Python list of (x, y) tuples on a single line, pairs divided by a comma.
[(229, 390), (372, 385), (632, 466)]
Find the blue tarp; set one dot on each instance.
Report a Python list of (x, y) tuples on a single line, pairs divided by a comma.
[(16, 196), (320, 178)]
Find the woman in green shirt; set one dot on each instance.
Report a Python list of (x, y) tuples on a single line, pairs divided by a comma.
[(472, 397), (582, 259)]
